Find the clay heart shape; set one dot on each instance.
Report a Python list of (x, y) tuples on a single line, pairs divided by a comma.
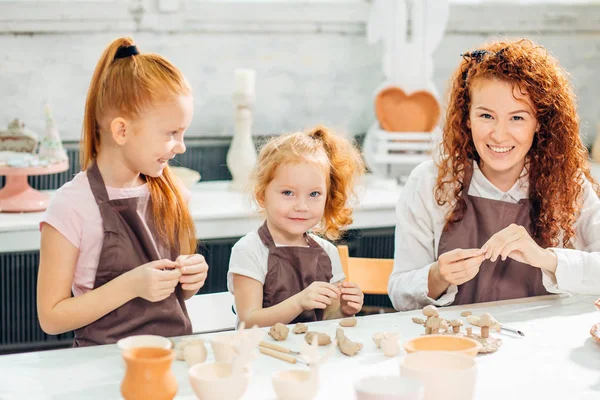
[(399, 112)]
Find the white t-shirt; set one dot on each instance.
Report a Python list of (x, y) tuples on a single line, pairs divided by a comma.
[(249, 258)]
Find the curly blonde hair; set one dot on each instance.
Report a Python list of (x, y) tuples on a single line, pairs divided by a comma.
[(339, 158), (558, 159)]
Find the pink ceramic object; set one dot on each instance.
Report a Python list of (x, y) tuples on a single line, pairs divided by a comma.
[(18, 196), (296, 384), (389, 388), (444, 375)]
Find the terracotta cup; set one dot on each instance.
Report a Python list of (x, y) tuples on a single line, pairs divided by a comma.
[(444, 375), (148, 374), (388, 388)]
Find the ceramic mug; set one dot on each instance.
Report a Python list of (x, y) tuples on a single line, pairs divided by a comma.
[(389, 388), (444, 375)]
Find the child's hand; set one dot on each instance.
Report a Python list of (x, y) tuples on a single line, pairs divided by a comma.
[(156, 280), (352, 298), (194, 270), (318, 295)]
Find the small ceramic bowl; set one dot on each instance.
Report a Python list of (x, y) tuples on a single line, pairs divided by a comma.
[(389, 388), (223, 347), (131, 342), (377, 336), (295, 384), (450, 343), (214, 382)]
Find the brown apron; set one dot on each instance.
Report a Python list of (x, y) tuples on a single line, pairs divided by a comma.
[(127, 245), (292, 269), (499, 280)]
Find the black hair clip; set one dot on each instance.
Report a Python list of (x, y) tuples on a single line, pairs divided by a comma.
[(126, 51), (476, 55)]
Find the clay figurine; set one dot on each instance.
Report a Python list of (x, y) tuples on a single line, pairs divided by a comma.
[(432, 325), (346, 346), (456, 324), (418, 321), (300, 328), (486, 321), (279, 331), (322, 338), (389, 345), (348, 322)]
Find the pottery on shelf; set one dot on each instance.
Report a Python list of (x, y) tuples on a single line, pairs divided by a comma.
[(148, 374), (399, 112)]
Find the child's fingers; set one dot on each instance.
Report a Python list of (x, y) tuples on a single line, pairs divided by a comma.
[(323, 299), (352, 298), (329, 292), (190, 259), (193, 278)]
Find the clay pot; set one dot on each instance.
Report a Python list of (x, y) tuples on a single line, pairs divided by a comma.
[(215, 382), (295, 384), (399, 112), (148, 374), (448, 343)]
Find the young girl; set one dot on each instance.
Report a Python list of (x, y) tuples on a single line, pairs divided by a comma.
[(119, 235), (281, 272), (511, 210)]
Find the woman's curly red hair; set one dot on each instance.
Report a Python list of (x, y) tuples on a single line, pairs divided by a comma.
[(341, 162), (558, 160)]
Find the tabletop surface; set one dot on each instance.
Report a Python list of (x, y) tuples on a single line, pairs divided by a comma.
[(557, 358)]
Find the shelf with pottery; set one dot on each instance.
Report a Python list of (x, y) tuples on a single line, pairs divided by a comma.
[(220, 212), (557, 343)]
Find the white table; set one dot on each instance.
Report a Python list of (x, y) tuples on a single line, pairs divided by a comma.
[(221, 213), (557, 359)]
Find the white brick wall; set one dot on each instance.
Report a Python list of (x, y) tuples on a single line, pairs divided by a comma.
[(312, 66)]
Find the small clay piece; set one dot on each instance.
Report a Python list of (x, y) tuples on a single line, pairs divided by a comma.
[(456, 324), (323, 339), (431, 311), (474, 320), (469, 331), (418, 321), (389, 345), (432, 325), (444, 325), (465, 313), (486, 321), (348, 322), (300, 328), (345, 345), (185, 342), (279, 332), (194, 352)]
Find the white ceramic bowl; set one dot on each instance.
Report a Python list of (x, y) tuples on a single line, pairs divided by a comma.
[(214, 382), (388, 388), (144, 341), (295, 384)]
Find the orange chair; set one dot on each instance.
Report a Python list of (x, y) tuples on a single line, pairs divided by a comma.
[(371, 274)]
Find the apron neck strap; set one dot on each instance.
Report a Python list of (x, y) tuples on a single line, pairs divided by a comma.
[(97, 183), (267, 239)]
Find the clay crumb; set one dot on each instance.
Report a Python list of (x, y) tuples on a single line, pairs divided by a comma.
[(348, 322), (323, 339), (465, 313), (300, 328)]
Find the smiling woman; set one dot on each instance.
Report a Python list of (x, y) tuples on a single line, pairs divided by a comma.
[(511, 211)]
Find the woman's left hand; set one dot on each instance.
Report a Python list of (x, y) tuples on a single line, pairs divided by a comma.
[(515, 242), (194, 270), (352, 298)]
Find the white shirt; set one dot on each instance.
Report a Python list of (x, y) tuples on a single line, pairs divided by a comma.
[(249, 258), (420, 221)]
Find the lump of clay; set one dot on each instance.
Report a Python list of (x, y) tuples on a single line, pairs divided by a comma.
[(432, 325), (389, 345), (322, 339), (348, 322), (431, 311), (418, 321), (300, 328), (194, 352), (345, 345), (465, 313), (279, 331)]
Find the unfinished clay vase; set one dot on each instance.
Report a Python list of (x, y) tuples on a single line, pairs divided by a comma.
[(399, 112), (148, 374)]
